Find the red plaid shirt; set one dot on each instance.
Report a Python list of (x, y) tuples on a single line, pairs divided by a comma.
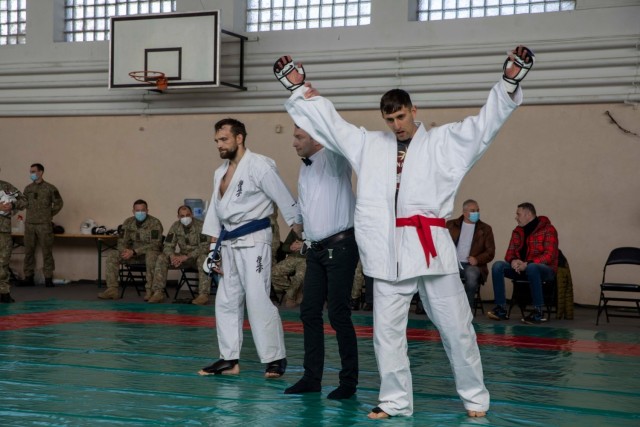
[(542, 244)]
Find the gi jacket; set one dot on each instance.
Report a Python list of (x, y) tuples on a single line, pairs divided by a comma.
[(255, 186), (434, 166)]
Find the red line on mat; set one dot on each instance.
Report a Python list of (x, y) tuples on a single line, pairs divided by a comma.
[(48, 318)]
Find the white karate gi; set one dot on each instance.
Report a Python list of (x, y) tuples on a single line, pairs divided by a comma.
[(435, 164), (246, 261)]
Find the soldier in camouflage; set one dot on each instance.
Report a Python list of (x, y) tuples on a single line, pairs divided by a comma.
[(288, 274), (12, 201), (184, 247), (139, 242), (44, 202)]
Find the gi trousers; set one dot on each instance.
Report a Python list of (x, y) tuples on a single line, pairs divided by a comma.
[(446, 304), (247, 276), (329, 277)]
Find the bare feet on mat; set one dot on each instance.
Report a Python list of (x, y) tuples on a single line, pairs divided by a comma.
[(377, 414), (476, 414)]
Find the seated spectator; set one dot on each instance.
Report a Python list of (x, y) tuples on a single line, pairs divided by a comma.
[(288, 274), (532, 255), (361, 281), (184, 247), (139, 241), (475, 247)]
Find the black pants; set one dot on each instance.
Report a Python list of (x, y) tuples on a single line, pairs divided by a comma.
[(329, 277)]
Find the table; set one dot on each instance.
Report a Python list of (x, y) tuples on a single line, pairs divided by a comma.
[(104, 242)]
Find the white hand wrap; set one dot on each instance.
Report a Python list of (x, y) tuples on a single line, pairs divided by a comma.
[(287, 68), (511, 83)]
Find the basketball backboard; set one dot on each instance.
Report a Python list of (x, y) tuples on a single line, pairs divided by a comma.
[(183, 46)]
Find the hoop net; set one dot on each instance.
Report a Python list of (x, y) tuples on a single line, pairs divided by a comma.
[(156, 78)]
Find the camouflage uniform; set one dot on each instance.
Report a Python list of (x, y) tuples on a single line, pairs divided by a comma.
[(191, 242), (288, 274), (44, 202), (6, 243), (145, 239)]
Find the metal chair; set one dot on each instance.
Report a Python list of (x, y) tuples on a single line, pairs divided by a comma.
[(134, 274), (629, 256)]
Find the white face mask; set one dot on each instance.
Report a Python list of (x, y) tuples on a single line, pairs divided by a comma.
[(185, 220)]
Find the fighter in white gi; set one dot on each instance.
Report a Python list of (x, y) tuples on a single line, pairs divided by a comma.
[(407, 182), (245, 188)]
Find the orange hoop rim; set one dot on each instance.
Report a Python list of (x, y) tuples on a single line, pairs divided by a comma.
[(151, 77)]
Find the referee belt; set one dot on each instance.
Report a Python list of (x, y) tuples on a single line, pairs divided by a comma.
[(332, 240)]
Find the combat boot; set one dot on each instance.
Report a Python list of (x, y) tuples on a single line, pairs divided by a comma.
[(156, 297), (28, 281), (202, 299), (147, 294), (110, 293), (6, 298)]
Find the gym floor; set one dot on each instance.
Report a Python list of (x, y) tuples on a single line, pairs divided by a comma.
[(69, 359)]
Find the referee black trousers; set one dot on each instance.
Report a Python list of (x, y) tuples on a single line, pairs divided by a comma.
[(329, 277)]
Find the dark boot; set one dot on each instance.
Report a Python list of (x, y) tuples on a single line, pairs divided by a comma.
[(48, 282), (6, 298), (28, 281)]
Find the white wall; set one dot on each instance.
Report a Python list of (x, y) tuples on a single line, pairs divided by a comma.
[(587, 55)]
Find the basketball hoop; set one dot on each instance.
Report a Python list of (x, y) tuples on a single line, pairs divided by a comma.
[(156, 78)]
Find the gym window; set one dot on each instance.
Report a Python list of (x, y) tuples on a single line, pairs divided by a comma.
[(436, 10), (88, 20), (13, 21), (276, 15)]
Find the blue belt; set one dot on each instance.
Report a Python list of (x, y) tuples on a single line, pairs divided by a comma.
[(243, 230)]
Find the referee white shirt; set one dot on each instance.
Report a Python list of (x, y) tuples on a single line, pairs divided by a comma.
[(325, 197)]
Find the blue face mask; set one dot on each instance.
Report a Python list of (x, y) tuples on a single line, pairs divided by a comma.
[(474, 216), (33, 177), (140, 216)]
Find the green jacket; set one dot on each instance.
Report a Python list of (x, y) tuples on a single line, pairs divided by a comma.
[(44, 202), (141, 236), (189, 239), (19, 204)]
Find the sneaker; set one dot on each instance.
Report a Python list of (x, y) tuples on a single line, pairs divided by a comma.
[(110, 293), (202, 299), (534, 318), (498, 313), (156, 297)]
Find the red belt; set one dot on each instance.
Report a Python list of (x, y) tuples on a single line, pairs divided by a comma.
[(423, 227)]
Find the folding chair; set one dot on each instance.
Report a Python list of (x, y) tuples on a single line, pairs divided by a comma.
[(189, 277), (620, 256), (135, 275), (477, 301), (521, 295)]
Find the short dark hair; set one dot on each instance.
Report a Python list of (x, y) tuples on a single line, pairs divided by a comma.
[(38, 166), (141, 202), (528, 207), (394, 100), (185, 207), (237, 127)]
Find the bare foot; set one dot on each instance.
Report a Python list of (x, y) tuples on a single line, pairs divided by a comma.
[(377, 414), (233, 371), (272, 375), (476, 414)]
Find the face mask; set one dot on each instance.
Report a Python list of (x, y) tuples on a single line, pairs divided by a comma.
[(140, 216), (33, 177), (185, 220), (474, 216)]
